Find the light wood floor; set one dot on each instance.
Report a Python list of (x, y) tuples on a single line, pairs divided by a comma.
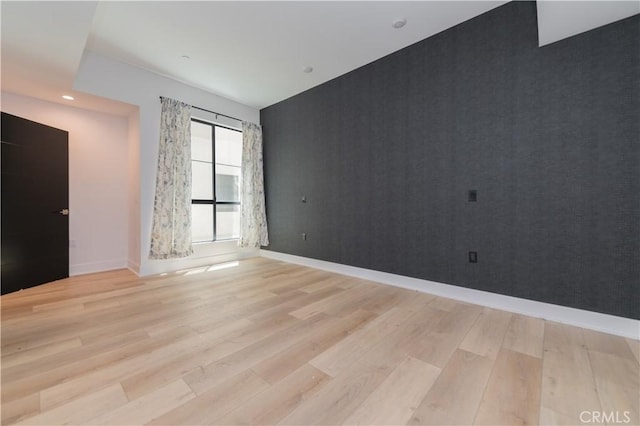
[(265, 342)]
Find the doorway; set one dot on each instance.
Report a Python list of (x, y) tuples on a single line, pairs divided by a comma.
[(35, 201)]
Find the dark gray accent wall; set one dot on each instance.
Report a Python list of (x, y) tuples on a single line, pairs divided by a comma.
[(549, 137)]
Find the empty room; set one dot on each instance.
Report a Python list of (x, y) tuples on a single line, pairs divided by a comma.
[(320, 212)]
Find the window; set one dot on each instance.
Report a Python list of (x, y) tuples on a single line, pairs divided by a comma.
[(216, 156)]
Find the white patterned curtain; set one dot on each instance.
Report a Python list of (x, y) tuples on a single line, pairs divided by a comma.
[(253, 222), (171, 229)]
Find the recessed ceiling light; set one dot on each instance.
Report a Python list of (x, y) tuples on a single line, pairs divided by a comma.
[(399, 23), (308, 69), (67, 97)]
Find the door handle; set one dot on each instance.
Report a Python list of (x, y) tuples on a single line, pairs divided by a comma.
[(64, 212)]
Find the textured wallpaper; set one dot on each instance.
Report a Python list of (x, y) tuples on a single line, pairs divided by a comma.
[(549, 138)]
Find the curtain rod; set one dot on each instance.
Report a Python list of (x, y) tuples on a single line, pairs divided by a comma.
[(212, 112)]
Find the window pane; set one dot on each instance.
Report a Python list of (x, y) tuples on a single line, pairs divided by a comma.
[(227, 183), (228, 160), (201, 181), (228, 147), (201, 147), (227, 221), (201, 222)]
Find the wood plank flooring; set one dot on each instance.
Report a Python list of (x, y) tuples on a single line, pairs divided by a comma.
[(266, 342)]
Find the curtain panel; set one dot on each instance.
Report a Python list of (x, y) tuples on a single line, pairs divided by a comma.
[(171, 229), (253, 224)]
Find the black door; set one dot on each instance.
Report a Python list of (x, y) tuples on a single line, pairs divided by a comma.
[(35, 201)]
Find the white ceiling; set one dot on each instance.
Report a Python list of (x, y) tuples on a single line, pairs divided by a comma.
[(558, 20), (255, 52), (251, 52), (42, 45)]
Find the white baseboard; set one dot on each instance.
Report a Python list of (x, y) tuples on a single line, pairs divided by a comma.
[(133, 267), (154, 267), (611, 324), (102, 266)]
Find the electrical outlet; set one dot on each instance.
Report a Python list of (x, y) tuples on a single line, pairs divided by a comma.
[(473, 257), (304, 198), (304, 236), (473, 195)]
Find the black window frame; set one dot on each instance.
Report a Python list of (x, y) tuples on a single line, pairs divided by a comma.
[(214, 202)]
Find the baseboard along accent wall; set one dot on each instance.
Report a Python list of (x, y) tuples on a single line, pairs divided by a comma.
[(577, 317)]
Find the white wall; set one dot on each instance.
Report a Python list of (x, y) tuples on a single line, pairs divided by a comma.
[(108, 78), (97, 180), (133, 178)]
